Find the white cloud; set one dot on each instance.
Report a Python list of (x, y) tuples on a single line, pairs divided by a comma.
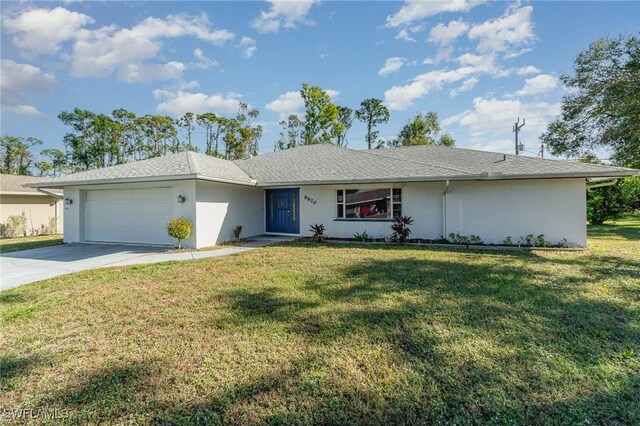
[(495, 145), (402, 97), (177, 103), (444, 53), (515, 53), (415, 10), (27, 110), (471, 59), (203, 63), (490, 122), (40, 31), (19, 79), (499, 35), (101, 52), (392, 65), (529, 69), (403, 34), (467, 85), (472, 66), (283, 13), (287, 103), (539, 84), (248, 46), (510, 30), (182, 85), (445, 34), (141, 73), (292, 103), (179, 26), (485, 63)]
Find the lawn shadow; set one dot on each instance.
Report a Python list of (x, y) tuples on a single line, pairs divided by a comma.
[(263, 306), (592, 269), (13, 366), (291, 395), (101, 394), (623, 230), (9, 297), (225, 407), (532, 311), (484, 297)]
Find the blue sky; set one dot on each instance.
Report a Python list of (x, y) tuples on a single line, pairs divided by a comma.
[(479, 65)]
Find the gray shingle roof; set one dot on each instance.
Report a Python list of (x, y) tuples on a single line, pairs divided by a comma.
[(317, 164), (183, 165), (478, 162), (13, 184), (329, 164)]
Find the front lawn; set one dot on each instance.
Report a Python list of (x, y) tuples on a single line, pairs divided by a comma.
[(331, 334), (7, 245)]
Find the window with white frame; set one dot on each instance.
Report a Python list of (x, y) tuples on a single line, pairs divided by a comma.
[(376, 203)]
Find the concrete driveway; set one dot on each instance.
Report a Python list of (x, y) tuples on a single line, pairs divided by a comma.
[(27, 266), (24, 267)]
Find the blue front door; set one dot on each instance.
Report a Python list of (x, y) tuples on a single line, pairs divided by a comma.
[(283, 211)]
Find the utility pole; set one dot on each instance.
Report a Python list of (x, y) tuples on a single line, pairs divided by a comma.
[(541, 153), (516, 129)]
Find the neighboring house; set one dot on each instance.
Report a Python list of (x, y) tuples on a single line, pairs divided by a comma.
[(445, 190), (39, 207)]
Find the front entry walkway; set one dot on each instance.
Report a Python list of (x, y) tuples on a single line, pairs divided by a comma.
[(28, 266)]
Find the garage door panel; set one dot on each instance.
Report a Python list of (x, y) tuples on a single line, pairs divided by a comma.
[(129, 216)]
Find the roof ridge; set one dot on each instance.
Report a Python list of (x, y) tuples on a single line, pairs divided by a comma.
[(411, 161), (525, 157), (212, 158), (308, 146), (191, 163)]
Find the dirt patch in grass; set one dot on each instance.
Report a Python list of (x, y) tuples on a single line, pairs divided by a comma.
[(332, 334)]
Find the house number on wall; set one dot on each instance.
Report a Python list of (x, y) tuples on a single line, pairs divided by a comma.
[(311, 200)]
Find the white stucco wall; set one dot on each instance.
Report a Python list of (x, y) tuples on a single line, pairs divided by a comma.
[(495, 210), (491, 209), (421, 201), (220, 207), (74, 224)]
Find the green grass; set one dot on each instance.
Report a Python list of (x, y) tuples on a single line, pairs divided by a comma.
[(8, 245), (330, 334)]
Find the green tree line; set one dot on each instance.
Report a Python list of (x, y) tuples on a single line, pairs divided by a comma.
[(325, 122), (601, 113), (97, 140), (100, 140)]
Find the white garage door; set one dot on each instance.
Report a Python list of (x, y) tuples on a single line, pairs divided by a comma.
[(137, 216)]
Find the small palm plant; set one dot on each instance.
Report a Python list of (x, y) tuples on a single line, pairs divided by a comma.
[(179, 228), (237, 232), (401, 229), (318, 233), (362, 237)]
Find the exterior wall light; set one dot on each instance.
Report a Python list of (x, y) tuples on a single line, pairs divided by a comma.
[(68, 201), (181, 199)]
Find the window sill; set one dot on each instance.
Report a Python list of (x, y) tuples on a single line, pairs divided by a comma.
[(362, 220)]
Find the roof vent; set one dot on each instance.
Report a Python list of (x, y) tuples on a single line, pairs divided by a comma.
[(492, 174)]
